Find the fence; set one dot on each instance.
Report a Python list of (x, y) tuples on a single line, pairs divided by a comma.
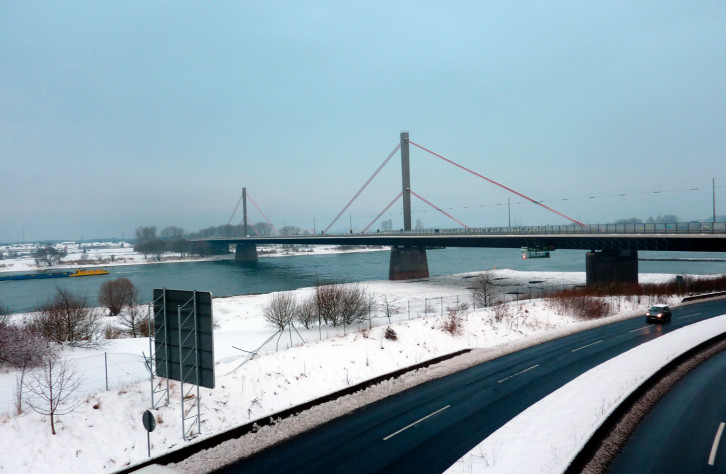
[(99, 372)]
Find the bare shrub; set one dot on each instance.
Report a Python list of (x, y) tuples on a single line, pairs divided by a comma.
[(52, 384), (134, 319), (580, 305), (280, 310), (115, 294), (67, 318), (354, 304), (452, 321), (483, 292), (390, 334), (111, 331), (306, 313), (341, 304), (21, 347), (502, 311)]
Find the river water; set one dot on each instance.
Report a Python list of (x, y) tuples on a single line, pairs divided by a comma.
[(226, 278)]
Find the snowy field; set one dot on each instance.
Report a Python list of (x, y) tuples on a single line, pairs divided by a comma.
[(105, 432)]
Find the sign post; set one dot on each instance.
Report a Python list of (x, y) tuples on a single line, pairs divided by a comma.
[(150, 424)]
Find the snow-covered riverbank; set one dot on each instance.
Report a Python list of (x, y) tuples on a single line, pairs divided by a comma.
[(105, 433)]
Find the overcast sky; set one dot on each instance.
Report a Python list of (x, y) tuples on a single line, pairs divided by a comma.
[(120, 114)]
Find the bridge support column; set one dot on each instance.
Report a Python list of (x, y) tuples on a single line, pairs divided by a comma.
[(408, 263), (219, 248), (245, 253), (609, 266)]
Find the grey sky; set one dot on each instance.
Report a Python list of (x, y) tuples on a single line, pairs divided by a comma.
[(120, 114)]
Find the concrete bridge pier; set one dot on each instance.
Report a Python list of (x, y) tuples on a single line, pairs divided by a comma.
[(245, 253), (609, 266), (408, 263)]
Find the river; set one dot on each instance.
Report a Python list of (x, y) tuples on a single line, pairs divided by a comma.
[(226, 278)]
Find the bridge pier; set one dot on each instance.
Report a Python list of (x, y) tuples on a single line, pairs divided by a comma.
[(609, 266), (219, 248), (408, 263), (245, 253)]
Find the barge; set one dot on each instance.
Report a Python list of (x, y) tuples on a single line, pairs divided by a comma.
[(42, 275)]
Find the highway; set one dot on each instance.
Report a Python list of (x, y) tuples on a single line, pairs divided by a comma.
[(429, 427), (684, 432)]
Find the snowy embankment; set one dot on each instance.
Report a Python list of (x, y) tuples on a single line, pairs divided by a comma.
[(555, 429), (105, 433)]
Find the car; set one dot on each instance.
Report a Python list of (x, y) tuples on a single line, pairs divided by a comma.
[(658, 313)]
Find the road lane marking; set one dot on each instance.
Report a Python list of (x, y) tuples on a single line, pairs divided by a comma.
[(518, 373), (583, 347), (714, 448), (690, 315), (415, 423), (640, 329)]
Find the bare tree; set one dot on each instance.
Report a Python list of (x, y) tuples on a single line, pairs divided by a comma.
[(172, 233), (280, 309), (68, 318), (290, 230), (341, 304), (386, 225), (48, 255), (262, 229), (135, 320), (306, 313), (145, 234), (483, 290), (52, 384), (115, 294)]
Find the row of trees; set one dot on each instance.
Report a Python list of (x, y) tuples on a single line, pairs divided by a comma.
[(335, 305)]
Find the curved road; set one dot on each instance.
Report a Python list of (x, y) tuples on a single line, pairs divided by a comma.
[(680, 433), (427, 428)]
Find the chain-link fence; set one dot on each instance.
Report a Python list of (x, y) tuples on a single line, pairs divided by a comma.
[(99, 372)]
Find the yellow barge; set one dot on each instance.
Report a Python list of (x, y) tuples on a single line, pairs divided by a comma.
[(89, 272)]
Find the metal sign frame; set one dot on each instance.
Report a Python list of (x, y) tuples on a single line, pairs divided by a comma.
[(184, 345)]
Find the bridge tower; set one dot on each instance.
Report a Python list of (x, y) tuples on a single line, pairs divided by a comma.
[(407, 262), (245, 252), (406, 181)]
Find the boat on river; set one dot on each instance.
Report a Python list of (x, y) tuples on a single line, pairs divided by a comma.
[(42, 275)]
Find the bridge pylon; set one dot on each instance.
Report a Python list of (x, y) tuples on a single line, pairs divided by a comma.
[(406, 181)]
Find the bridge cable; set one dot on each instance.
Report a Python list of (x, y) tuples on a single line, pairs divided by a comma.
[(263, 214), (362, 188), (382, 212), (498, 184), (235, 209), (441, 210)]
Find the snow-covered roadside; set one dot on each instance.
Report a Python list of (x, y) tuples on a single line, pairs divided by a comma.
[(105, 434), (554, 430)]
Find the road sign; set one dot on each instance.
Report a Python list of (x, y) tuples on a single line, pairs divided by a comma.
[(184, 343)]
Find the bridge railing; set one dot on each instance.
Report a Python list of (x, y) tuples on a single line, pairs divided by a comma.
[(618, 229), (640, 228)]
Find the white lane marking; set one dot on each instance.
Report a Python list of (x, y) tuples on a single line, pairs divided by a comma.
[(415, 423), (583, 347), (690, 315), (518, 373), (640, 329), (714, 448)]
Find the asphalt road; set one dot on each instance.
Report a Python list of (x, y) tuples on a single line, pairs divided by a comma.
[(427, 428), (680, 433)]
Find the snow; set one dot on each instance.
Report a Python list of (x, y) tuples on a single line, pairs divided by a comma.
[(105, 433), (555, 429)]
